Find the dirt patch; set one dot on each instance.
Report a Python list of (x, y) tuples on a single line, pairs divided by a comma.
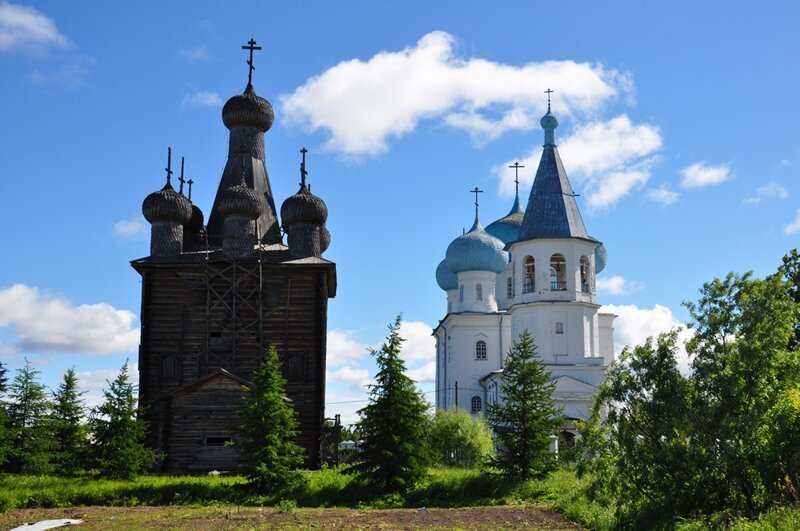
[(502, 517)]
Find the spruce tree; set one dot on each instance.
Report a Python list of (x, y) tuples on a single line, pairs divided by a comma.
[(268, 426), (394, 425), (69, 431), (31, 441), (524, 421), (5, 441), (118, 432)]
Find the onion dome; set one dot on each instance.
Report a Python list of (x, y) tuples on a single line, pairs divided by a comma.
[(506, 229), (477, 250), (249, 110), (324, 239), (303, 207), (167, 205), (196, 221), (240, 200), (446, 279), (600, 258), (548, 121)]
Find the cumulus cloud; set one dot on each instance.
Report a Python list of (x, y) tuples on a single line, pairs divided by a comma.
[(634, 325), (700, 175), (356, 379), (662, 195), (92, 383), (618, 285), (202, 98), (794, 226), (419, 344), (363, 103), (43, 323), (195, 54), (344, 349), (23, 28), (605, 160), (770, 190), (130, 229), (424, 374)]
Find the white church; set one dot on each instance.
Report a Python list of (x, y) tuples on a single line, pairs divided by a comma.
[(532, 270)]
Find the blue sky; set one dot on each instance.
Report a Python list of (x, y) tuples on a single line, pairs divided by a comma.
[(677, 128)]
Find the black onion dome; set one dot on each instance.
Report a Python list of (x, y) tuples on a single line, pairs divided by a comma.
[(303, 207), (167, 205), (240, 200), (324, 239), (196, 221), (248, 109)]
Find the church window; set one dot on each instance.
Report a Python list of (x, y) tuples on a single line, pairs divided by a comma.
[(480, 350), (529, 285), (558, 273), (218, 441), (295, 367), (559, 328), (477, 404), (479, 292), (169, 367), (509, 288), (461, 293), (586, 274)]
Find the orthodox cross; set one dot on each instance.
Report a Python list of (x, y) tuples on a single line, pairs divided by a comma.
[(181, 179), (169, 163), (516, 167), (190, 182), (476, 192), (251, 45), (548, 92), (303, 171)]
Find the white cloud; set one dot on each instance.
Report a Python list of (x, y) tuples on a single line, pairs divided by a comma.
[(92, 383), (343, 348), (26, 29), (604, 160), (44, 324), (700, 175), (362, 103), (634, 325), (131, 229), (618, 285), (794, 226), (195, 54), (770, 190), (662, 195), (419, 344), (202, 98), (424, 374), (71, 72), (357, 379)]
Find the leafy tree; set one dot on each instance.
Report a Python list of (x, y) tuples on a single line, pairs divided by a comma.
[(525, 419), (28, 415), (458, 438), (780, 459), (68, 428), (394, 425), (268, 426), (118, 432)]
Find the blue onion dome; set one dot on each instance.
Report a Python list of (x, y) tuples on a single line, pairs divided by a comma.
[(241, 200), (506, 229), (249, 110), (549, 121), (303, 207), (324, 239), (167, 205), (477, 250), (446, 279), (197, 220), (600, 258)]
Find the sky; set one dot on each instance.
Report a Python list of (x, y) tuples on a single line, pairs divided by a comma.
[(677, 128)]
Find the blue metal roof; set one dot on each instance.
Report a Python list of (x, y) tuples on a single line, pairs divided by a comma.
[(506, 229), (477, 250), (446, 279)]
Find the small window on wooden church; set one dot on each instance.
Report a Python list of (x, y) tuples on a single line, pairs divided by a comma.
[(295, 368), (217, 441), (477, 404), (480, 350), (559, 328), (169, 367), (479, 292)]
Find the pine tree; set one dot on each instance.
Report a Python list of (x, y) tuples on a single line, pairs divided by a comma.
[(394, 425), (118, 432), (524, 421), (268, 426), (28, 423), (5, 435), (69, 431)]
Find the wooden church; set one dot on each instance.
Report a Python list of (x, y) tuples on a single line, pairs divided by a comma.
[(217, 296)]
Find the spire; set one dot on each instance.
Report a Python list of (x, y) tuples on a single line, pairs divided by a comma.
[(477, 223), (549, 123)]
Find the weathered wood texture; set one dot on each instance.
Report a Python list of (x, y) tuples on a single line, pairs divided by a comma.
[(199, 318)]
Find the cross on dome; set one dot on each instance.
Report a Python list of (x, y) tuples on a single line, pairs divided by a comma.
[(169, 164), (181, 179), (190, 182), (303, 171), (548, 92), (251, 45), (516, 167), (476, 191)]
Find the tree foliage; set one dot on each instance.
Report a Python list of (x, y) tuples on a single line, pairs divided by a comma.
[(118, 432), (268, 426), (524, 421), (28, 408), (68, 428), (458, 438), (394, 425), (5, 434)]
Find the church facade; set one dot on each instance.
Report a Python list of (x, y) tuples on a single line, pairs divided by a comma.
[(217, 296), (533, 270)]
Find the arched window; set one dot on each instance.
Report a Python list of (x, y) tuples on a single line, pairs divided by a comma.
[(479, 292), (558, 273), (586, 275), (509, 288), (477, 404), (461, 293), (529, 284), (480, 350)]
